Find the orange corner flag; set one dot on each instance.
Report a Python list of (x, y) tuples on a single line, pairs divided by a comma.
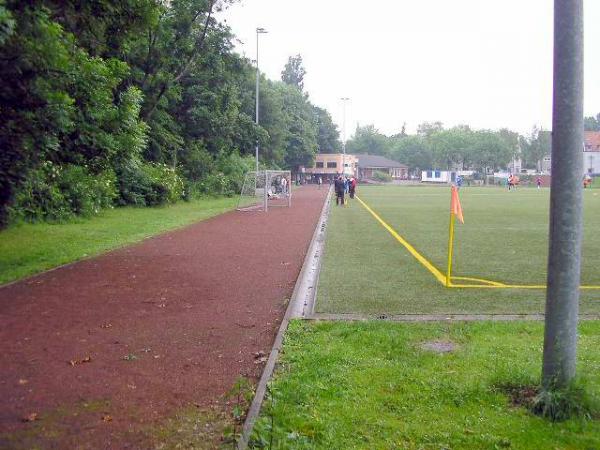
[(455, 207)]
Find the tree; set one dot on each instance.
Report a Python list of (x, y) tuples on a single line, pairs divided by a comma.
[(412, 151), (540, 143), (452, 146), (428, 128), (368, 139), (301, 139), (328, 137), (293, 72), (592, 123), (59, 104), (489, 151)]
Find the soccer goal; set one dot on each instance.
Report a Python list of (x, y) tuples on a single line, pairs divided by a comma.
[(266, 189)]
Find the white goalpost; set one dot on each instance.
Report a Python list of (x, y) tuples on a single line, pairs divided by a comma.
[(266, 189)]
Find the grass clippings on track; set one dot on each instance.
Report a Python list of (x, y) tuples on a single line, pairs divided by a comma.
[(26, 249), (376, 385), (504, 238)]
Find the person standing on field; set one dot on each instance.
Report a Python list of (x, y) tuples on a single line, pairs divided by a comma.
[(339, 191), (319, 181), (538, 181), (459, 182), (352, 187), (283, 185)]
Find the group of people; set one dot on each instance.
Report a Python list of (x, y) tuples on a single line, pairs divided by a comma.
[(512, 181), (344, 185)]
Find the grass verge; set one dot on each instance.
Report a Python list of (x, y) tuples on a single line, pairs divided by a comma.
[(378, 385), (26, 249)]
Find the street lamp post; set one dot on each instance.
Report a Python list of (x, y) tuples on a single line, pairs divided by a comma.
[(258, 31), (344, 100)]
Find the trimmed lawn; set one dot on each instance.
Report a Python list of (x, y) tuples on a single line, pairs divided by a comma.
[(26, 249), (504, 238), (372, 385)]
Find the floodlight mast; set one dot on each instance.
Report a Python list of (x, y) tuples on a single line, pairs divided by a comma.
[(258, 31), (344, 100), (566, 198)]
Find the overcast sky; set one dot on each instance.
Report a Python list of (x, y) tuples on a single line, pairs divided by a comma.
[(486, 63)]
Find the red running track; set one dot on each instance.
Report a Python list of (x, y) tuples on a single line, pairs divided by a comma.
[(170, 322)]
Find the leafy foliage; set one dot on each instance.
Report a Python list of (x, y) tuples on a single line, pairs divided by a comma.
[(148, 92), (293, 72), (592, 123), (436, 147), (382, 177)]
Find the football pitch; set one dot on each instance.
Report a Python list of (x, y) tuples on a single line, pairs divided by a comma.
[(504, 241)]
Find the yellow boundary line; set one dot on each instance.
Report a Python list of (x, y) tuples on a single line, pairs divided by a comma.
[(436, 273), (485, 284)]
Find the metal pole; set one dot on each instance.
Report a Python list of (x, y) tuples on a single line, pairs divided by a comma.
[(564, 259), (450, 250), (289, 187), (266, 192), (257, 91), (344, 100)]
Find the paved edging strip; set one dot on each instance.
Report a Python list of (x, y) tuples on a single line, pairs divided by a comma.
[(436, 317), (297, 303)]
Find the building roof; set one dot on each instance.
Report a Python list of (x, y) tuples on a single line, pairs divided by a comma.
[(592, 141), (376, 161)]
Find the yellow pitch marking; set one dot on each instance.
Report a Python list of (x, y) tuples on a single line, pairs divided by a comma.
[(436, 273), (485, 284)]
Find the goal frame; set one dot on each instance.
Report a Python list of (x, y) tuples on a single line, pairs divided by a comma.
[(266, 191)]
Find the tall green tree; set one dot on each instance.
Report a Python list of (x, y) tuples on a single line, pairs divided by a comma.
[(368, 139), (413, 151), (592, 123), (293, 73), (540, 145), (328, 137)]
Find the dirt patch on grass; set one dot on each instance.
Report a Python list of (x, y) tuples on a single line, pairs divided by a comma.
[(439, 346), (521, 396)]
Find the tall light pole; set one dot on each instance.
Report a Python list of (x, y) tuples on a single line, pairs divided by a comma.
[(566, 198), (344, 100), (258, 31)]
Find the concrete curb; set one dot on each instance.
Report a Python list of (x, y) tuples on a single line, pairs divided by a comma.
[(302, 300), (437, 317)]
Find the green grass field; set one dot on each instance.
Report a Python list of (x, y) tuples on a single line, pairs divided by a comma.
[(26, 249), (372, 385), (504, 238)]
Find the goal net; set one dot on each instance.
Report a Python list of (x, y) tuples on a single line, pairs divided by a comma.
[(266, 189)]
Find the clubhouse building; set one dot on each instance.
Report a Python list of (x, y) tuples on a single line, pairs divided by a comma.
[(360, 166)]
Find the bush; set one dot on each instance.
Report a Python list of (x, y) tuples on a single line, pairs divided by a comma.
[(147, 184), (56, 193), (382, 176), (227, 179), (87, 194)]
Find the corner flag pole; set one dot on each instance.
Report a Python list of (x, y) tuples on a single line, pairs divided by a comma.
[(450, 249), (455, 211)]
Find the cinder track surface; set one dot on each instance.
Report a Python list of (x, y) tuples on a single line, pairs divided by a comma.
[(169, 323)]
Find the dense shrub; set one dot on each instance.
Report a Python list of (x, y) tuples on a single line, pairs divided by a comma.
[(226, 179), (382, 176), (149, 184), (58, 193), (87, 194)]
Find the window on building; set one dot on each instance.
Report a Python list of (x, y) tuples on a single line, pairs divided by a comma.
[(319, 164), (429, 174), (438, 174), (332, 165)]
